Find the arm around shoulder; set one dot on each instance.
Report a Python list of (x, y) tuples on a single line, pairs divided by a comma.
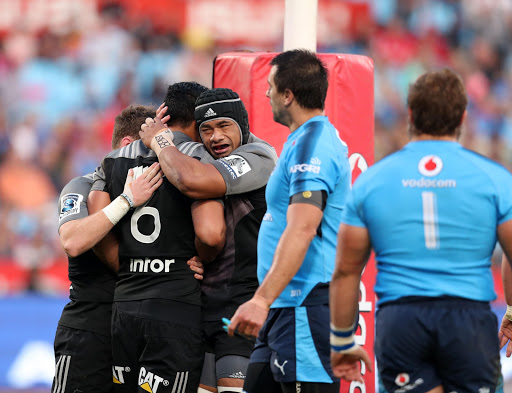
[(193, 178)]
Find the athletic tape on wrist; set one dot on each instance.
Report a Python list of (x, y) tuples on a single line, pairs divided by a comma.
[(508, 314), (161, 140), (342, 340), (116, 209)]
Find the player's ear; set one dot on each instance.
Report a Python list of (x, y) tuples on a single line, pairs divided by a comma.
[(126, 141), (288, 97)]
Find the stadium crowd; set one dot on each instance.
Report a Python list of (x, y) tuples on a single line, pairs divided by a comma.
[(60, 92)]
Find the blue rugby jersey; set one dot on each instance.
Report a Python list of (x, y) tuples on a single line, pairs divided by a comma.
[(313, 158), (432, 210)]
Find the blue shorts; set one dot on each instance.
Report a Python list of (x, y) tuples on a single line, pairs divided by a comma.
[(295, 341), (443, 341)]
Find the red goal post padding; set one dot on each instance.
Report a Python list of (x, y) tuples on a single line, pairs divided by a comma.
[(349, 106)]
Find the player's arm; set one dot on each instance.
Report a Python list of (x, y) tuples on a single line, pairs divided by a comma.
[(80, 235), (208, 179), (107, 248), (303, 220), (352, 252), (505, 240), (210, 228), (192, 177), (135, 193)]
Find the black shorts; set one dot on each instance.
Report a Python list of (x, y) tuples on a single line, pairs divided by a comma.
[(450, 342), (157, 346), (220, 344), (83, 361)]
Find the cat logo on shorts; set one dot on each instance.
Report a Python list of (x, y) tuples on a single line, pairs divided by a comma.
[(402, 379), (118, 374), (150, 381)]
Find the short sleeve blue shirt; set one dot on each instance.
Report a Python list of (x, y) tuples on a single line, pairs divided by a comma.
[(432, 210), (314, 158)]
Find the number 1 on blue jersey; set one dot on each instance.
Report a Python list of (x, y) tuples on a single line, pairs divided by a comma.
[(430, 220)]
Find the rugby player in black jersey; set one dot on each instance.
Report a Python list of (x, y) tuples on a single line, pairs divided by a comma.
[(234, 164), (82, 345), (156, 325)]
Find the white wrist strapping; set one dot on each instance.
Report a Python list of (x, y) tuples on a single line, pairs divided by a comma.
[(508, 314), (116, 209), (342, 340)]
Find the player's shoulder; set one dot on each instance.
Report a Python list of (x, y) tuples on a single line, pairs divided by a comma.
[(381, 170), (78, 183), (259, 147), (131, 151), (317, 125), (486, 164), (320, 132)]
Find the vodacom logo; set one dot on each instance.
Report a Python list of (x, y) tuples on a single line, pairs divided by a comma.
[(357, 165)]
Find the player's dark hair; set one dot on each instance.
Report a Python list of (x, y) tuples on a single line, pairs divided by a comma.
[(180, 101), (128, 122), (437, 101), (304, 74)]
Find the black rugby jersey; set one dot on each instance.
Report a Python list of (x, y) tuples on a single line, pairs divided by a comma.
[(156, 239), (231, 279), (92, 282)]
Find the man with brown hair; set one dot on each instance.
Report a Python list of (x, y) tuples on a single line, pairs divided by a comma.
[(83, 351), (432, 212)]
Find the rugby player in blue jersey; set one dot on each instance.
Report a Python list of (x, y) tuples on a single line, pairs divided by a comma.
[(297, 239), (432, 212)]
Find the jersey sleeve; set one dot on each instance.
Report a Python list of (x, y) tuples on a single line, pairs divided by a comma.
[(316, 163), (99, 179), (247, 168), (73, 200), (353, 212), (103, 174)]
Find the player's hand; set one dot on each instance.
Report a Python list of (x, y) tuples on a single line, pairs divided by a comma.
[(346, 365), (197, 267), (141, 189), (249, 317), (505, 335), (152, 127), (160, 113)]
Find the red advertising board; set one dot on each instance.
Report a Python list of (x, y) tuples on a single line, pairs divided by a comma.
[(232, 23), (349, 106)]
